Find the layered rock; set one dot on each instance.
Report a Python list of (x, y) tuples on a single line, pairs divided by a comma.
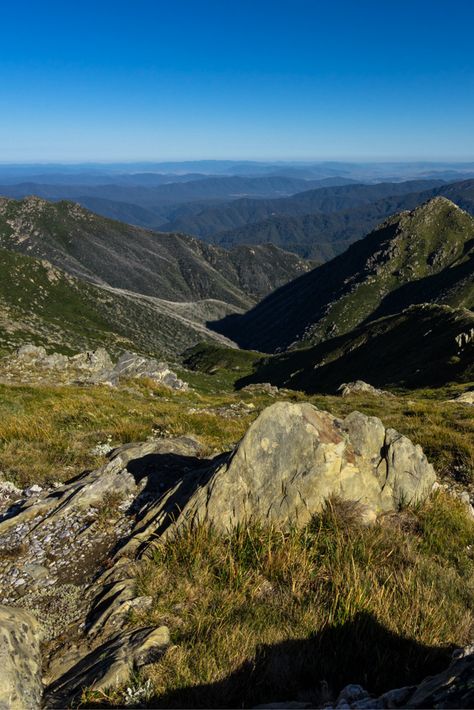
[(32, 363)]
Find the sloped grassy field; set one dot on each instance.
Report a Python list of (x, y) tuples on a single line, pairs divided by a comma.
[(261, 615)]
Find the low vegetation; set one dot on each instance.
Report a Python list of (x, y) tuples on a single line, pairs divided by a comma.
[(49, 433), (260, 615)]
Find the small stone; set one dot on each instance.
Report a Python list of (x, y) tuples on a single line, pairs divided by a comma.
[(33, 490)]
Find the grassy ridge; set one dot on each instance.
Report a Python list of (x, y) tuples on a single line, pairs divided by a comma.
[(423, 256), (42, 304), (47, 433)]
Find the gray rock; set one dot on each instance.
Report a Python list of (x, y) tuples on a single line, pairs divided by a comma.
[(93, 361), (31, 363), (20, 660), (33, 490), (464, 398), (30, 352), (131, 366), (110, 665), (351, 693), (452, 688), (361, 387), (294, 457), (262, 388)]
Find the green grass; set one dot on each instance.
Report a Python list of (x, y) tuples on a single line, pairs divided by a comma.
[(47, 433), (259, 615)]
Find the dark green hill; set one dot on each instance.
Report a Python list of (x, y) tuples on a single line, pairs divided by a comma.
[(211, 221), (322, 236), (167, 266), (413, 257), (425, 345)]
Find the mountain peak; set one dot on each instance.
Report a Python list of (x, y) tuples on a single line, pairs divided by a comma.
[(421, 255)]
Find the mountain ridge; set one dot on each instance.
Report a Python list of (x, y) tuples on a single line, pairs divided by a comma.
[(173, 267), (364, 282)]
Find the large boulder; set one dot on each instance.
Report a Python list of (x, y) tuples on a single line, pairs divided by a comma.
[(295, 456), (20, 660)]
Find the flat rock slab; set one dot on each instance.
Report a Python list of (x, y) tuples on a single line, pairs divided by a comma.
[(109, 665)]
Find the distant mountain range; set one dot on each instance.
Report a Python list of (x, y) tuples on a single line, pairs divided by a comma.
[(182, 170), (317, 223), (322, 236), (426, 255), (215, 219), (155, 204)]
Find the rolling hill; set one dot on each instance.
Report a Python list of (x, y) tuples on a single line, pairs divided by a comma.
[(166, 266), (214, 219), (322, 236), (426, 255)]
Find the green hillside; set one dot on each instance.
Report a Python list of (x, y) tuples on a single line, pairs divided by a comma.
[(40, 303), (426, 345), (426, 255), (168, 266)]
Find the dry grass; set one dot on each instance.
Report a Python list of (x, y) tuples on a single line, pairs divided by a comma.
[(261, 615), (48, 433)]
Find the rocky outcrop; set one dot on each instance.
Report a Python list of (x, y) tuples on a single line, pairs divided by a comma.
[(20, 660), (130, 366), (261, 388), (361, 387), (63, 558), (109, 665), (74, 550), (464, 398), (294, 457), (32, 363)]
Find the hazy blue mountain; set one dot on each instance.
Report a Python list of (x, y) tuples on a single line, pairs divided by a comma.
[(215, 219)]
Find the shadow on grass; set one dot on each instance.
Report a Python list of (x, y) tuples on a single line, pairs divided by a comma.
[(315, 669)]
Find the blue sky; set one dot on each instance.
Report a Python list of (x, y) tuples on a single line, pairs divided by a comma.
[(296, 79)]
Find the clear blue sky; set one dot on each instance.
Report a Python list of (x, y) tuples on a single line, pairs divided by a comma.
[(183, 79)]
